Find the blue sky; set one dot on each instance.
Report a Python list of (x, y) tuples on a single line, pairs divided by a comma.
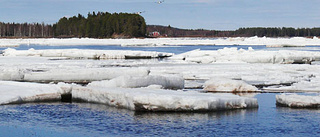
[(190, 14)]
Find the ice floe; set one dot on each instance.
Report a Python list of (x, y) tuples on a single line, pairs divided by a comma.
[(68, 75), (166, 82), (90, 54), (248, 56), (137, 99), (161, 100), (228, 85), (298, 101), (19, 92)]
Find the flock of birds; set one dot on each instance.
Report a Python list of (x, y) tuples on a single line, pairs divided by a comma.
[(158, 2)]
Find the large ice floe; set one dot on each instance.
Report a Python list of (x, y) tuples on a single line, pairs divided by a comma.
[(19, 92), (248, 56), (144, 99), (68, 75), (137, 99), (298, 101), (269, 42), (90, 54)]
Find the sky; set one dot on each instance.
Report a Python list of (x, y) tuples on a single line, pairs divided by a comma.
[(187, 14)]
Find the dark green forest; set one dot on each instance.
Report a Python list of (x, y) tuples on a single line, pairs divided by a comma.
[(95, 25), (241, 32), (127, 25), (101, 25)]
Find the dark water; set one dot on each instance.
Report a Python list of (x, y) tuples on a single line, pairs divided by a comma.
[(170, 49), (80, 119)]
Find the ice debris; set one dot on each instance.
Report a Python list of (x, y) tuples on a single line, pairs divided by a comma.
[(228, 85), (248, 56)]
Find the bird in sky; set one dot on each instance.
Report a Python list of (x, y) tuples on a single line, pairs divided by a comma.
[(159, 2), (140, 12)]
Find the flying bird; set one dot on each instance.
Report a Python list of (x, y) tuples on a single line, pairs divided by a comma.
[(159, 2), (139, 12)]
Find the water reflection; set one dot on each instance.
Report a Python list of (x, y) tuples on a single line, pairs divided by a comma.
[(84, 119), (100, 120)]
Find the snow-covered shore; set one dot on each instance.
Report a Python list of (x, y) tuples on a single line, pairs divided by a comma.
[(269, 42)]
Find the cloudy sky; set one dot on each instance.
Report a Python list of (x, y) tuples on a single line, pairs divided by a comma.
[(190, 14)]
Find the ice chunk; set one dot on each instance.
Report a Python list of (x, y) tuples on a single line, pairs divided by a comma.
[(298, 101), (19, 92), (166, 82), (90, 54), (248, 56), (142, 99), (228, 85), (70, 75)]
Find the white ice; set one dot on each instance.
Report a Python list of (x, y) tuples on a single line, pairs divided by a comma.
[(127, 81), (270, 42), (228, 85), (248, 56), (140, 99), (77, 75), (90, 54), (298, 101), (18, 92)]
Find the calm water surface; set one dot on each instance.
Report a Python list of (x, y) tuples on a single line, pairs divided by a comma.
[(82, 119), (171, 49)]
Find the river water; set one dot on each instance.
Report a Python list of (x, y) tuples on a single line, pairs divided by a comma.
[(83, 119)]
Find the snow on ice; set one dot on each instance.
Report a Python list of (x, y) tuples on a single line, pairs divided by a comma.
[(249, 56), (19, 92), (140, 99), (90, 54), (270, 42), (150, 85), (228, 85), (298, 101), (168, 82), (68, 75)]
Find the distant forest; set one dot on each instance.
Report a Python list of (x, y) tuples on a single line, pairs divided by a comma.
[(242, 32), (126, 25), (96, 25)]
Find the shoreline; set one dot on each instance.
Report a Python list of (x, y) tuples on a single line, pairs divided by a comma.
[(154, 42)]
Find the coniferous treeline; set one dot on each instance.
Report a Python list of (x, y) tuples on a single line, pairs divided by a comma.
[(101, 25), (25, 30), (278, 32), (106, 25), (242, 32)]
